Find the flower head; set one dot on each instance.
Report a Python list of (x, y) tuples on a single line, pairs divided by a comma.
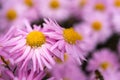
[(100, 26), (72, 41), (30, 44), (109, 61), (55, 9)]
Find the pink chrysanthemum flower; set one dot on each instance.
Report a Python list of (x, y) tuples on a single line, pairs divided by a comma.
[(71, 41), (30, 45), (14, 14), (61, 70), (108, 61), (77, 7), (100, 26), (31, 8), (114, 5), (100, 6), (55, 9)]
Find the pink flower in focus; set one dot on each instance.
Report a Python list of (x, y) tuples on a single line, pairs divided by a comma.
[(30, 45), (70, 41)]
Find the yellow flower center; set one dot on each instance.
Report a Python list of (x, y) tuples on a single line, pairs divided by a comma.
[(71, 36), (105, 65), (35, 39), (54, 4), (96, 26), (11, 14), (100, 7), (117, 3), (83, 3), (29, 3)]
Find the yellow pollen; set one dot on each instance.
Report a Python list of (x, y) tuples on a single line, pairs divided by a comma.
[(35, 39), (96, 26), (71, 36), (105, 65), (54, 4), (11, 14), (117, 3), (100, 7), (29, 3), (83, 3)]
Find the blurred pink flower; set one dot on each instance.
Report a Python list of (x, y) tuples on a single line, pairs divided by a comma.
[(30, 45), (114, 6), (103, 60), (14, 14), (99, 6), (88, 39), (77, 7), (61, 71), (54, 9), (100, 26)]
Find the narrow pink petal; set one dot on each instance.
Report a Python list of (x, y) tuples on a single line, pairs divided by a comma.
[(39, 59), (12, 40), (27, 58), (46, 63), (54, 46), (40, 76), (34, 62), (47, 55), (19, 46), (21, 31), (30, 77), (9, 32), (57, 53), (28, 26), (24, 55)]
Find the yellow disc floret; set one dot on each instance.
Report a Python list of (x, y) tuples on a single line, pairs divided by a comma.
[(29, 3), (11, 14), (35, 39), (100, 7), (117, 3), (97, 25), (54, 4), (71, 36), (105, 65)]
